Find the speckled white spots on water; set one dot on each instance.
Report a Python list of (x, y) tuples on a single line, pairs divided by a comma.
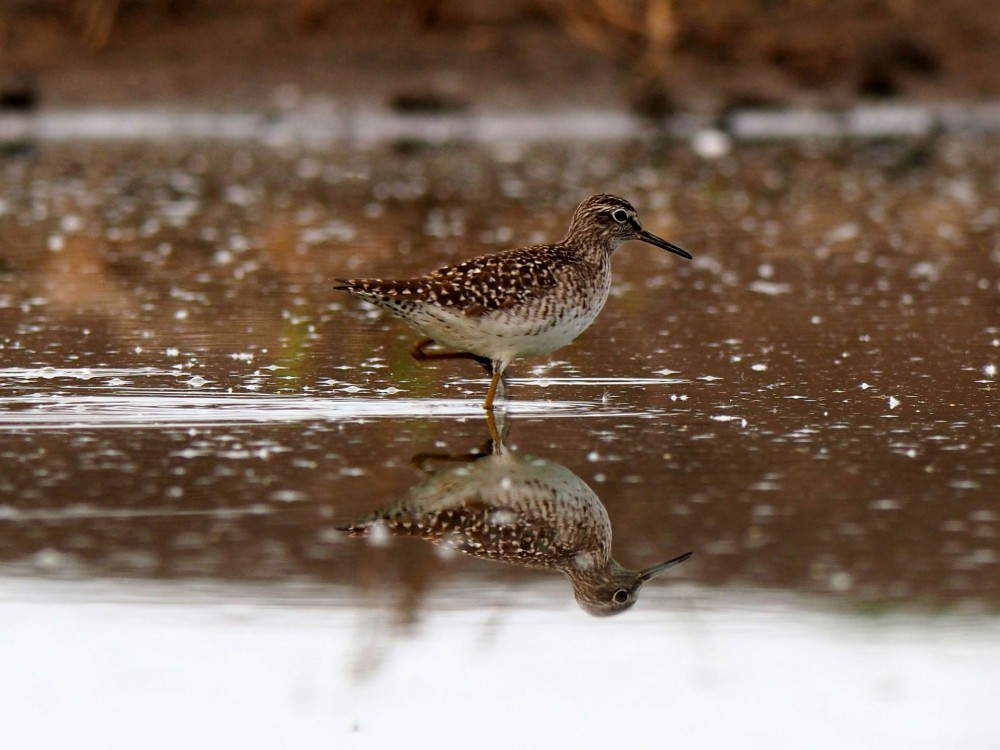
[(729, 418), (886, 504), (825, 282), (769, 288), (287, 496), (965, 484)]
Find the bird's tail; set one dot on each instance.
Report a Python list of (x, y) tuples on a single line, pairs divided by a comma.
[(348, 285)]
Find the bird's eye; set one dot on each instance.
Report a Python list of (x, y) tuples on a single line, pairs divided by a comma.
[(619, 215), (621, 595)]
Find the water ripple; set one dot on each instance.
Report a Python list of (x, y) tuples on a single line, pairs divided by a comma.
[(170, 408)]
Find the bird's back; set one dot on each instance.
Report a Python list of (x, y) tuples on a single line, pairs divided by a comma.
[(530, 300), (481, 285)]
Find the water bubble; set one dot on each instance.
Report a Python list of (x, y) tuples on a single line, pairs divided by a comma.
[(770, 288), (841, 581), (711, 143), (379, 535), (886, 504), (71, 223), (926, 270), (287, 496), (843, 233), (374, 210), (51, 560)]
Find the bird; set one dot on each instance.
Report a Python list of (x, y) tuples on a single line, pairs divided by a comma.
[(524, 511), (520, 302)]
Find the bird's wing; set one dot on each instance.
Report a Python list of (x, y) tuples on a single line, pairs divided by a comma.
[(497, 282), (478, 286)]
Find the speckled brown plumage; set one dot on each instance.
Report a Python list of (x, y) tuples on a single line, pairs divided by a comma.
[(478, 286), (523, 511), (520, 302)]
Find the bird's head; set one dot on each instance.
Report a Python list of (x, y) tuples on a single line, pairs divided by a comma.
[(611, 221), (615, 589)]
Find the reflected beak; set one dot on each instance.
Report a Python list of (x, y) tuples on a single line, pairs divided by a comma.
[(650, 573), (652, 239)]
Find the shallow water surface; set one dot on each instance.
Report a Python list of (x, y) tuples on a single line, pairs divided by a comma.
[(189, 415)]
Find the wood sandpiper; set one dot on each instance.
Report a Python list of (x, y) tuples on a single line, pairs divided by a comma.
[(518, 510), (515, 303)]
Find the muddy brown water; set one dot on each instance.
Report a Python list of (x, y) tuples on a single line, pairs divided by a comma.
[(810, 405)]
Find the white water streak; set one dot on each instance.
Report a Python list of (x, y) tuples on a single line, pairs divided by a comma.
[(153, 410)]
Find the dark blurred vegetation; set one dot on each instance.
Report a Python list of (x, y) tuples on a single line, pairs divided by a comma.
[(754, 51)]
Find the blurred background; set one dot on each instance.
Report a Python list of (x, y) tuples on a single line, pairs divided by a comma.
[(190, 415), (651, 56)]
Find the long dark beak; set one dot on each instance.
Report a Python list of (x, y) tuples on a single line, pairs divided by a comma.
[(650, 573), (652, 239)]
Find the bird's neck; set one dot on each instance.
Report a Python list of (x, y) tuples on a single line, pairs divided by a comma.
[(593, 564), (592, 252)]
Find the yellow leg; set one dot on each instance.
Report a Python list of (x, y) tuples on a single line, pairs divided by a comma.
[(491, 422), (494, 381)]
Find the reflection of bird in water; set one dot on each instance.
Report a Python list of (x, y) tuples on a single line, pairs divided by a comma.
[(522, 302), (520, 510)]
